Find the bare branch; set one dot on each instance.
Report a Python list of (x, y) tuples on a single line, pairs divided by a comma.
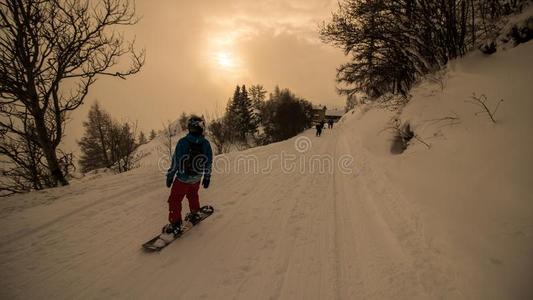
[(481, 101), (42, 45)]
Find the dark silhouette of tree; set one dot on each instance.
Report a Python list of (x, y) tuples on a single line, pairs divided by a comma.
[(240, 115), (183, 121), (153, 134), (43, 45), (123, 145), (95, 143), (257, 96), (284, 115), (220, 135), (351, 102), (169, 132), (392, 43), (21, 163), (142, 138), (107, 143)]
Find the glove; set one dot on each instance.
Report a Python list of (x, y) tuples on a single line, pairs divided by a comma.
[(169, 181), (205, 182)]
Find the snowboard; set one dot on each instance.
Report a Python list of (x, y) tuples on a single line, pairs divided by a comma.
[(162, 240)]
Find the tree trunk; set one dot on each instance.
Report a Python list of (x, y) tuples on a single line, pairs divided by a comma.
[(103, 143), (49, 152)]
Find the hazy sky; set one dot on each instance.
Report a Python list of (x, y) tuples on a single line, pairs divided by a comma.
[(197, 51)]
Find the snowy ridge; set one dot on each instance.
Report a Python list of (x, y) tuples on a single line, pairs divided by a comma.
[(449, 222)]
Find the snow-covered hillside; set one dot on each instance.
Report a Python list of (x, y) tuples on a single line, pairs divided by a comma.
[(450, 222)]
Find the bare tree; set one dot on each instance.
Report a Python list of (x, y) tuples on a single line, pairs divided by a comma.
[(123, 145), (51, 53), (21, 167), (391, 44), (169, 131), (153, 134), (220, 135), (182, 120), (142, 138)]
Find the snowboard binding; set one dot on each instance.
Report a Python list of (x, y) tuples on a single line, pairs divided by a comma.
[(207, 209)]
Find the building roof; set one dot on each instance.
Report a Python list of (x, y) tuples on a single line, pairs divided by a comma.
[(318, 107), (335, 112)]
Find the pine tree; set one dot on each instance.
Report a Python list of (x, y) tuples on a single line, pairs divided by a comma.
[(233, 115), (249, 126), (232, 111), (95, 142), (257, 95), (106, 143), (240, 117)]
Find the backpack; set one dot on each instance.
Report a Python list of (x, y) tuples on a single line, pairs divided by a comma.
[(194, 160)]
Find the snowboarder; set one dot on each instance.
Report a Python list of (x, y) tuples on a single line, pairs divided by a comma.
[(192, 159), (319, 127)]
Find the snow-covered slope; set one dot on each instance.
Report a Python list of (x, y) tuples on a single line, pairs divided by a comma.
[(473, 187), (449, 222)]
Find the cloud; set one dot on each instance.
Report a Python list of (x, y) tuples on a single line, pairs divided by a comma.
[(197, 51)]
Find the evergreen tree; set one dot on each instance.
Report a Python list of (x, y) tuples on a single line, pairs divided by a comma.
[(231, 116), (248, 122), (285, 115), (106, 143), (257, 95), (239, 115), (94, 145)]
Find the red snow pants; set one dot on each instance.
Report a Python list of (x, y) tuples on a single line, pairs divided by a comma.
[(180, 190)]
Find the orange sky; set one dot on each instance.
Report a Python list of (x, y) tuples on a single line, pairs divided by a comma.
[(197, 51)]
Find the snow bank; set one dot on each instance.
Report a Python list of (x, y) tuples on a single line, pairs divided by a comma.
[(474, 183)]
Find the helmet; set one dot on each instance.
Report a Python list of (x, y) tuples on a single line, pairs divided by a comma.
[(196, 124)]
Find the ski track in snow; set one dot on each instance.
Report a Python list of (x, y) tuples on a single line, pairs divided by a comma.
[(280, 236), (450, 222)]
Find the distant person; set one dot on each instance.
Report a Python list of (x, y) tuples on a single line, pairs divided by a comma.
[(192, 160), (330, 123), (319, 127)]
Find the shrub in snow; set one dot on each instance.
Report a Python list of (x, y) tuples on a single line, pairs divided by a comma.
[(481, 101), (402, 135), (488, 47), (522, 32)]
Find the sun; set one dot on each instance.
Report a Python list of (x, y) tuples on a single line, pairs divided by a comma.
[(225, 60), (223, 56)]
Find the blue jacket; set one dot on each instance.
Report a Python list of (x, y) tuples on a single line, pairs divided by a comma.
[(181, 152)]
